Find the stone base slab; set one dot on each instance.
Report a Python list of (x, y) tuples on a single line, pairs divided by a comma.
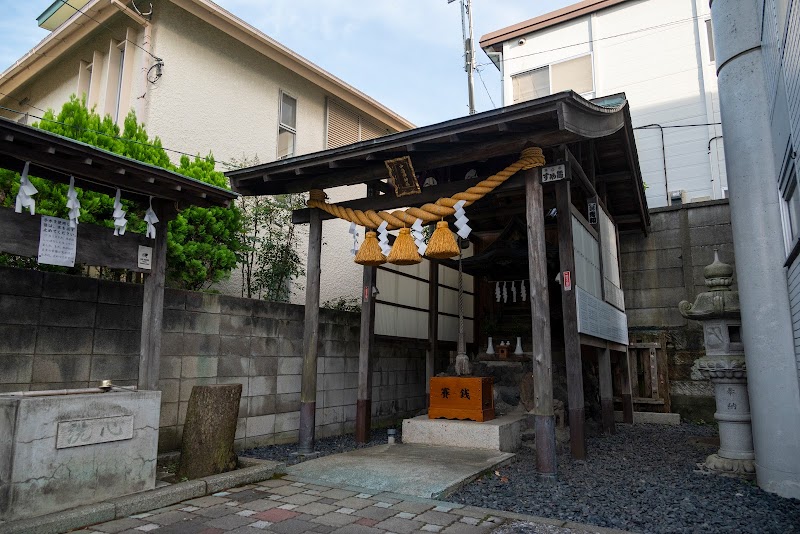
[(653, 418), (730, 466), (500, 434)]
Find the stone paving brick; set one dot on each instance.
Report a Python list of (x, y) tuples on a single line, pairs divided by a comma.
[(246, 513), (274, 483), (316, 487), (354, 502), (148, 527), (288, 506), (214, 511), (437, 518), (401, 526), (406, 515), (367, 522), (169, 518), (287, 490), (247, 529), (126, 523), (470, 520), (261, 505), (461, 528), (205, 502), (412, 507), (315, 508), (212, 531), (336, 520), (347, 511), (300, 498), (338, 494), (292, 526), (378, 514), (324, 529), (357, 529), (364, 495), (383, 504), (247, 496), (194, 526), (432, 528), (276, 515), (260, 524), (230, 522)]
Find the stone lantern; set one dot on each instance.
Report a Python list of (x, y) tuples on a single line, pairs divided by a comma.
[(724, 364)]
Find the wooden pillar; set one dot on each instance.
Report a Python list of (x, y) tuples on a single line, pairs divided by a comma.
[(543, 417), (433, 326), (367, 336), (308, 388), (572, 346), (628, 376), (606, 390), (153, 301)]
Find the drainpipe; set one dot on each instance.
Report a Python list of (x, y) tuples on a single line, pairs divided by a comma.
[(759, 246)]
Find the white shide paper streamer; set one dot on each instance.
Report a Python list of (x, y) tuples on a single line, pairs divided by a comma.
[(26, 192), (73, 204), (151, 219), (120, 222)]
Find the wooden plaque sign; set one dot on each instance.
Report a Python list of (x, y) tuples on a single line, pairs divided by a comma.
[(460, 397), (402, 176)]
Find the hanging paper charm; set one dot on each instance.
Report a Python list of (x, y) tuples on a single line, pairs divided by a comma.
[(462, 220), (73, 203), (505, 293), (383, 238), (151, 219), (120, 222), (497, 294), (354, 232), (522, 290), (514, 291), (419, 239), (26, 192)]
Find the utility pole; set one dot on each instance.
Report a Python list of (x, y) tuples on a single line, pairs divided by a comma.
[(469, 49)]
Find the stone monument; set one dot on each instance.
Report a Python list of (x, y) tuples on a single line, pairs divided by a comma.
[(724, 364)]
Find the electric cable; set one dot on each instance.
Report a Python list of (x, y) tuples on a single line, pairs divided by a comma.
[(486, 88)]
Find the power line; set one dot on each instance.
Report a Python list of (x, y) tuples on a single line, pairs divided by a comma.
[(108, 135), (22, 103), (486, 88), (657, 126), (590, 41), (66, 3)]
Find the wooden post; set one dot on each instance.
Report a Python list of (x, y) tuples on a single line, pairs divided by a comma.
[(308, 388), (627, 391), (153, 301), (606, 390), (572, 346), (544, 419), (367, 335), (433, 326)]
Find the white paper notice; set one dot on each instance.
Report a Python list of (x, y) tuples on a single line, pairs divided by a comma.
[(145, 257), (57, 242)]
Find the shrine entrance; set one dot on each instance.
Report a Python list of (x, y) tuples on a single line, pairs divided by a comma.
[(538, 192)]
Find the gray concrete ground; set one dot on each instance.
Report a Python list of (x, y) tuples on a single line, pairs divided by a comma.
[(407, 469), (288, 506)]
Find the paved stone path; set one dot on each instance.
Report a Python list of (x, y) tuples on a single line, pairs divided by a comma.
[(287, 506)]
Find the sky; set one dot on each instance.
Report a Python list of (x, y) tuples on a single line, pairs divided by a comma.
[(407, 54)]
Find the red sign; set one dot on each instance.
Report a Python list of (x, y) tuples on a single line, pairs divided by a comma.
[(567, 277), (366, 293)]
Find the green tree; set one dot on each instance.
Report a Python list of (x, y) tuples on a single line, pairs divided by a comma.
[(269, 259), (203, 243)]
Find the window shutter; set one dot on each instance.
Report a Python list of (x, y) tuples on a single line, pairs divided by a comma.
[(342, 125), (530, 85), (575, 74), (370, 130)]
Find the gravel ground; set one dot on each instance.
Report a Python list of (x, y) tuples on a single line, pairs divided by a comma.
[(645, 479), (325, 446)]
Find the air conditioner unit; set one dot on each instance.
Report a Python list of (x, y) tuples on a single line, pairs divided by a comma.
[(677, 198)]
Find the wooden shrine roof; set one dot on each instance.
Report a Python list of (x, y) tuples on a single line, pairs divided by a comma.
[(548, 122), (56, 158)]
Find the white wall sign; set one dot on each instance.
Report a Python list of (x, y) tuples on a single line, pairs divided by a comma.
[(57, 242), (145, 257), (600, 319), (554, 173)]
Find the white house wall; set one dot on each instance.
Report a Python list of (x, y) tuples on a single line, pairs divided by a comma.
[(666, 74)]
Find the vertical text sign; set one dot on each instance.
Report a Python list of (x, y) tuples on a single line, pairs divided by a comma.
[(567, 278), (57, 242)]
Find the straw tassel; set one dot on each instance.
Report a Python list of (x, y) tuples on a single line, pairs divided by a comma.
[(404, 251), (370, 252), (442, 244)]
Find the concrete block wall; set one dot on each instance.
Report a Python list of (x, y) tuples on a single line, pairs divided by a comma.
[(664, 268), (59, 331)]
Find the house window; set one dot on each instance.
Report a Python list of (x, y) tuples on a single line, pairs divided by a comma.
[(573, 74), (710, 37), (790, 194), (287, 129)]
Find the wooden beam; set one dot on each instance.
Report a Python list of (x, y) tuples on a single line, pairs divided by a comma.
[(153, 302), (606, 390), (544, 418), (578, 172), (572, 347), (97, 246), (628, 377), (433, 326), (366, 338), (389, 202), (308, 388), (501, 145)]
